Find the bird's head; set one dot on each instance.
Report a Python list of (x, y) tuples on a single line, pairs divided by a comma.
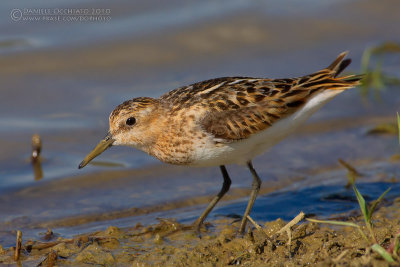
[(131, 125)]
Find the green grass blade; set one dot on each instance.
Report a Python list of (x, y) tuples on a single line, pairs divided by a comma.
[(381, 251), (396, 244), (376, 202), (365, 60), (377, 77), (362, 203), (334, 222), (398, 124), (342, 224)]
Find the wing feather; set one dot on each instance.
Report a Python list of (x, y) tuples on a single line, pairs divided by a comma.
[(238, 107), (263, 102)]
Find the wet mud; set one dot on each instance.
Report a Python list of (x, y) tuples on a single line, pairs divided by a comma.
[(169, 243)]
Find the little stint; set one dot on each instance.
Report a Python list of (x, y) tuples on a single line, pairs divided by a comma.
[(223, 121)]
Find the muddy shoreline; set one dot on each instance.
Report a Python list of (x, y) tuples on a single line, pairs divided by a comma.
[(170, 243)]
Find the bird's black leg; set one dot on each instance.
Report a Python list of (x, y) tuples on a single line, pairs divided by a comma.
[(214, 201), (255, 187)]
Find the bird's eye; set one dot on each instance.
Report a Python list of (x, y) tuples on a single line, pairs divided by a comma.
[(130, 121)]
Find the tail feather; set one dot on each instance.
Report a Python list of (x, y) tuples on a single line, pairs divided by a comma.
[(338, 65), (352, 78), (342, 66)]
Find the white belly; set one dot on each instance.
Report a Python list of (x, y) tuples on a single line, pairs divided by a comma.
[(244, 150)]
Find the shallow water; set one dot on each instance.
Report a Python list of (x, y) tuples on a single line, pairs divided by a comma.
[(61, 80)]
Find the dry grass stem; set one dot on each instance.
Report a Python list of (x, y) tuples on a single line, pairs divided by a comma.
[(340, 256), (256, 225), (17, 251), (293, 222), (287, 227)]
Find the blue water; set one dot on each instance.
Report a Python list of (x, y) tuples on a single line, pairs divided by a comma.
[(125, 20), (322, 201)]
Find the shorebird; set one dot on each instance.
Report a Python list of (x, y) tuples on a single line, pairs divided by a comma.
[(223, 121)]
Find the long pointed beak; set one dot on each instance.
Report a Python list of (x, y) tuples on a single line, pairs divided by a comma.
[(100, 148)]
